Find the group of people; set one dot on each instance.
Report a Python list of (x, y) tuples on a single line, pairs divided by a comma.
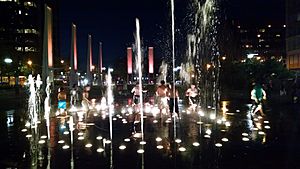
[(167, 97), (74, 98)]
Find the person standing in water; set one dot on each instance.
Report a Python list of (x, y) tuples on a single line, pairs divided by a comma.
[(162, 99), (85, 97), (173, 102), (192, 94), (74, 95), (258, 94), (62, 97)]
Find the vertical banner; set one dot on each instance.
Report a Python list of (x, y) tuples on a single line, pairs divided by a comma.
[(129, 60), (49, 37), (74, 48), (151, 59), (89, 61), (89, 57), (73, 57), (100, 57), (47, 61)]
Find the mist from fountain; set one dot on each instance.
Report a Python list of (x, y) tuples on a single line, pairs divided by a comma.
[(32, 109), (163, 72), (202, 62)]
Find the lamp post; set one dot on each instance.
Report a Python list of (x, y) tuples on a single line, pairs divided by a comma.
[(29, 62), (7, 61)]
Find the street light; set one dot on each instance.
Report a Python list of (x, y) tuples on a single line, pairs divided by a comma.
[(29, 62), (62, 61), (8, 60), (251, 55)]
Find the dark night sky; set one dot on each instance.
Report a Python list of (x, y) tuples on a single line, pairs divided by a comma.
[(113, 21)]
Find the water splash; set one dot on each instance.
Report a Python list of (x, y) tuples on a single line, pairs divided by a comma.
[(32, 109), (110, 100), (202, 61), (139, 54), (47, 106), (163, 72)]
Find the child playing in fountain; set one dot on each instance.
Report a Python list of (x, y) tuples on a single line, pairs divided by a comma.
[(162, 98), (136, 94), (85, 98), (173, 102), (258, 94), (192, 94), (62, 97)]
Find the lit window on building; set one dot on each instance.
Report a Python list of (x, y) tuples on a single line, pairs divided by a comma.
[(267, 46), (258, 35), (18, 48), (29, 4), (243, 31), (261, 40), (19, 30), (5, 0), (30, 31), (278, 35), (262, 30), (20, 12), (30, 49)]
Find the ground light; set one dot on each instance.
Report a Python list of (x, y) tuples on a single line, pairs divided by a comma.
[(43, 137), (42, 142), (159, 147), (267, 127), (66, 147), (61, 142), (158, 139), (225, 139), (99, 138), (182, 149), (100, 150), (80, 138), (218, 145), (89, 145), (142, 142), (245, 134), (122, 147), (28, 136), (140, 151), (196, 144), (245, 139), (178, 141)]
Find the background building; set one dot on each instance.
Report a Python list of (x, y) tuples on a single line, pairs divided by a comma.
[(21, 35), (267, 41), (293, 34)]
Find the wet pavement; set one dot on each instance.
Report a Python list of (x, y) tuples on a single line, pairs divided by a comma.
[(197, 139)]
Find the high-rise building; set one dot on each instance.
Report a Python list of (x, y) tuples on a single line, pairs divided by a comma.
[(293, 34), (21, 32), (267, 41)]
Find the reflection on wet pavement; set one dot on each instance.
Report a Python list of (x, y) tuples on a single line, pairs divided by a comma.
[(198, 138)]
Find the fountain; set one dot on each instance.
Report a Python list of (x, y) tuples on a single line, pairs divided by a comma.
[(32, 108), (202, 62), (110, 111), (163, 71)]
